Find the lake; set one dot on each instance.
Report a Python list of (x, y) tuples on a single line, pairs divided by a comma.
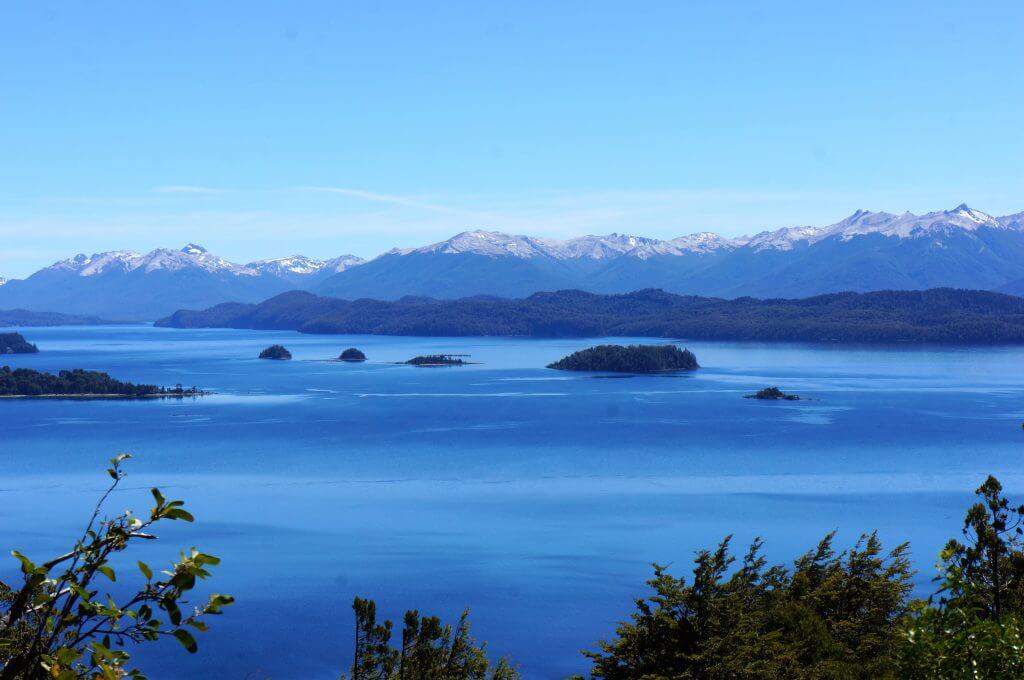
[(536, 498)]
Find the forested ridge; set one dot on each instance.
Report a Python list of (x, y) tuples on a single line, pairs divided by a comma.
[(940, 315)]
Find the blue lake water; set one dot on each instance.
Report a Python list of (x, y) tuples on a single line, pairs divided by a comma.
[(538, 499)]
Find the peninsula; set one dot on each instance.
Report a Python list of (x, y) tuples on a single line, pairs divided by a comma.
[(14, 343), (81, 384)]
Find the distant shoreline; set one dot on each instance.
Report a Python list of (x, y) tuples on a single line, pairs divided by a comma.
[(935, 316)]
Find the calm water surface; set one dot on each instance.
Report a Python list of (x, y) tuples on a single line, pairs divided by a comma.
[(537, 499)]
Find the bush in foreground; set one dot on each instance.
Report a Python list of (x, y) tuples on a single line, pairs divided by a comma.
[(56, 624)]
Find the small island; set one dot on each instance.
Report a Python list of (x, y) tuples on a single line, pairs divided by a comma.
[(14, 343), (352, 354), (81, 384), (275, 352), (629, 359), (772, 393), (438, 360)]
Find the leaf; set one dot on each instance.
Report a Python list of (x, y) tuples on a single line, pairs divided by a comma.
[(27, 567), (107, 571), (146, 571), (159, 497), (178, 513), (68, 655), (186, 640)]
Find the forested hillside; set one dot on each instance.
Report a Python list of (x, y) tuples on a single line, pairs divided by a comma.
[(941, 315)]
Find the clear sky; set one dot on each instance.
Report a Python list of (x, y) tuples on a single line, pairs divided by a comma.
[(260, 129)]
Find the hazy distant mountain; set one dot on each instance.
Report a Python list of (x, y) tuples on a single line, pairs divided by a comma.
[(960, 248), (22, 318), (126, 285)]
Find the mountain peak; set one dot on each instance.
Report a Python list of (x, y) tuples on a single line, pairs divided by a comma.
[(193, 249)]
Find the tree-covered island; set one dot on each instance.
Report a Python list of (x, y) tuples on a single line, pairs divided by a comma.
[(275, 352), (352, 354), (438, 360), (629, 359), (81, 384), (14, 343)]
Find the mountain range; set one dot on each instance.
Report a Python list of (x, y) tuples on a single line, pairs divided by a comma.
[(959, 248)]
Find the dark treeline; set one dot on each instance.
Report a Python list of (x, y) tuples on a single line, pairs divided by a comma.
[(15, 343), (940, 315), (629, 359), (26, 382)]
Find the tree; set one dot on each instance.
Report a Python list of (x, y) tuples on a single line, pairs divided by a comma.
[(976, 629), (58, 625), (986, 571), (430, 650), (833, 615)]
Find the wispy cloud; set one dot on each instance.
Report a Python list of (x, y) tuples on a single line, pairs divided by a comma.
[(376, 197), (187, 189)]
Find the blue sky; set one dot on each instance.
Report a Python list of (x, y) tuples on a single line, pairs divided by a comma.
[(265, 128)]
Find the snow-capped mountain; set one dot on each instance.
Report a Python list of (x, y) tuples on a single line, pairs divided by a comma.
[(961, 247), (303, 270), (126, 285)]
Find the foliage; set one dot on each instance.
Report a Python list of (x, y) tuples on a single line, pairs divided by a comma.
[(429, 650), (833, 615), (955, 643), (28, 382), (58, 625), (977, 628), (940, 315), (14, 343), (275, 352), (352, 354), (629, 359), (986, 571)]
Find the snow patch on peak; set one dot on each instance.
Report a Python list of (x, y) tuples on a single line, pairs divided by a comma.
[(603, 247), (293, 264), (193, 249), (783, 239), (343, 262), (480, 242), (3, 281), (705, 242)]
